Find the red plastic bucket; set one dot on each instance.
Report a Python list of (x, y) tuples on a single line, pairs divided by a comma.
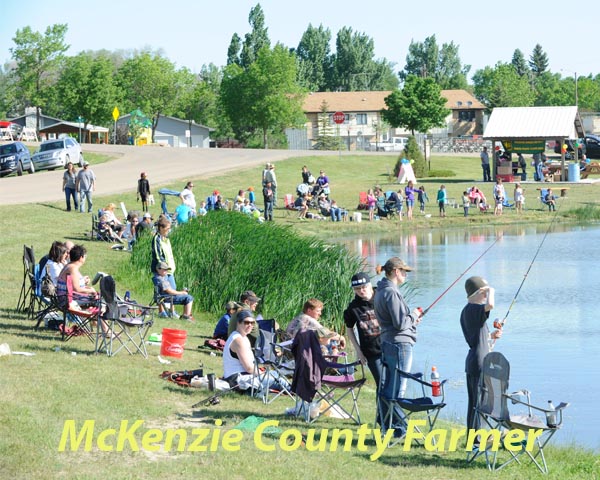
[(173, 342)]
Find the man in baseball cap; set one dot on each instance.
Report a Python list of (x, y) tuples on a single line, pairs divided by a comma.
[(166, 291)]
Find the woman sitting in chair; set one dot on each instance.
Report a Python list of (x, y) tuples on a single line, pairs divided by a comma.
[(238, 359), (83, 293)]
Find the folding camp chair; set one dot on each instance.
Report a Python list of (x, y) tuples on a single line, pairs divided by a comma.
[(363, 204), (288, 201), (78, 320), (535, 432), (28, 287), (164, 303), (311, 383), (271, 365), (395, 411), (126, 324)]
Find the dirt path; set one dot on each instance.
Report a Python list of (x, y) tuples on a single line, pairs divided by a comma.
[(163, 165)]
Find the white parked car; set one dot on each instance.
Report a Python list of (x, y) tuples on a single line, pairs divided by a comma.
[(57, 153), (394, 144)]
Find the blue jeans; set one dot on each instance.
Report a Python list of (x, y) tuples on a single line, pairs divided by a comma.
[(83, 195), (70, 192), (404, 363), (336, 214)]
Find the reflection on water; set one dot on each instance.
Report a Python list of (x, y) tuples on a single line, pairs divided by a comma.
[(552, 330)]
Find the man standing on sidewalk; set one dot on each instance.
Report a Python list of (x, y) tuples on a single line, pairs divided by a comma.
[(485, 165), (85, 185)]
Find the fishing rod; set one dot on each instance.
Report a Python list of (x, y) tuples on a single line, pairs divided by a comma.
[(499, 324), (461, 275)]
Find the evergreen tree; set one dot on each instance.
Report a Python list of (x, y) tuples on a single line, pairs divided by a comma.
[(233, 52), (328, 137), (538, 62), (519, 63)]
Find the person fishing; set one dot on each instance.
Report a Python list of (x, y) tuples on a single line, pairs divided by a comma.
[(480, 301)]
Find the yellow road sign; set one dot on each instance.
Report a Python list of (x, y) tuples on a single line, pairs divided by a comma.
[(115, 114)]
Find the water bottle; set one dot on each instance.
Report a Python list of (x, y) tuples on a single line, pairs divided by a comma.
[(551, 415), (127, 295), (436, 390)]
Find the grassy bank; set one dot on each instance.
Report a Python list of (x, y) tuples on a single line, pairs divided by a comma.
[(40, 393)]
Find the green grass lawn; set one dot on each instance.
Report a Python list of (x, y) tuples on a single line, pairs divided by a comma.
[(65, 382)]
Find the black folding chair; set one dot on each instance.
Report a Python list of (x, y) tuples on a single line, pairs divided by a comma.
[(122, 325)]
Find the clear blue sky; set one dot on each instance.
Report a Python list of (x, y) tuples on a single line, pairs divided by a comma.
[(196, 32)]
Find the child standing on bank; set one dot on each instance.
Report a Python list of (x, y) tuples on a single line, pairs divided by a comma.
[(441, 199), (480, 298), (466, 203), (422, 197)]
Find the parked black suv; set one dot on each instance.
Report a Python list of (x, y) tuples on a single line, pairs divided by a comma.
[(592, 146), (15, 157)]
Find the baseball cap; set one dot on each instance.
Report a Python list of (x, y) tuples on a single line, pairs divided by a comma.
[(249, 295), (85, 164), (360, 279), (148, 215), (163, 266)]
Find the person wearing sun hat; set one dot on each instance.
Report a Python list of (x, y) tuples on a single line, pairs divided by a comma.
[(480, 301), (398, 323)]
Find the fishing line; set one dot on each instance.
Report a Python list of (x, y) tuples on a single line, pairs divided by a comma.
[(461, 275), (499, 324)]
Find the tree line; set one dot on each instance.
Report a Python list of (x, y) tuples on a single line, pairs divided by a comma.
[(259, 91)]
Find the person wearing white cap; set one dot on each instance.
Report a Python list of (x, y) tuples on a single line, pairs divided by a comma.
[(480, 298)]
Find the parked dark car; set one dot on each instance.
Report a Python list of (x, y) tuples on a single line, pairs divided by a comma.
[(15, 157), (592, 146)]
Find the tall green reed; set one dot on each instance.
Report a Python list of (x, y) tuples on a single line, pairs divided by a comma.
[(224, 253)]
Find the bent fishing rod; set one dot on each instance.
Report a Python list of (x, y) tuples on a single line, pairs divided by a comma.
[(461, 275), (499, 324)]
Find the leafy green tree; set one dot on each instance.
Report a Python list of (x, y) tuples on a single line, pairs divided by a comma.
[(354, 66), (233, 52), (38, 57), (257, 39), (418, 107), (501, 86), (314, 58), (551, 90), (9, 105), (86, 89), (427, 60), (588, 92), (265, 98), (146, 82), (520, 64), (538, 61)]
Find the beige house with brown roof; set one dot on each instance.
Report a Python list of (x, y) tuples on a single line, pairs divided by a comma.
[(364, 125)]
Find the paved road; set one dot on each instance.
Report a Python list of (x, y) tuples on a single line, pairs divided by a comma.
[(163, 165)]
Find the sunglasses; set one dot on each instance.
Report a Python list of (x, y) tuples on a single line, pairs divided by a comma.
[(248, 322)]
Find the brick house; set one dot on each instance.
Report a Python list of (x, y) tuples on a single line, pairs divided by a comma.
[(364, 126)]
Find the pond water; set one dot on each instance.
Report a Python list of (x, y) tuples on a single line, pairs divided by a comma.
[(552, 332)]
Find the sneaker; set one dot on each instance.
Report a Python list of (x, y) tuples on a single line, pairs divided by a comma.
[(163, 315), (189, 318), (174, 315)]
